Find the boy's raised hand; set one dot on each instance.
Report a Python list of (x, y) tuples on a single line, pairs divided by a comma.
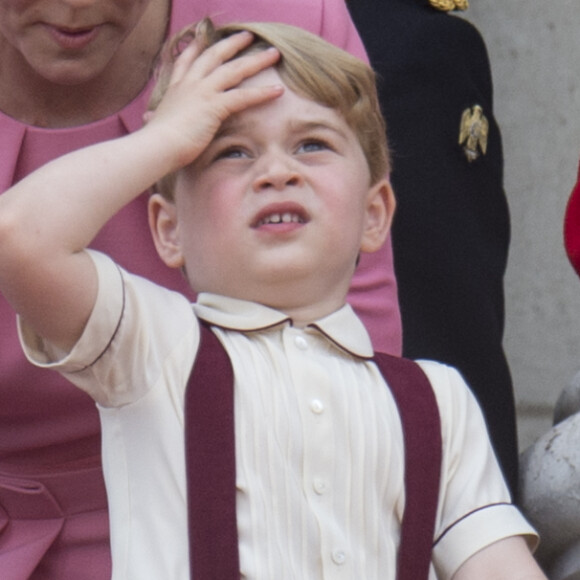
[(204, 91), (48, 218)]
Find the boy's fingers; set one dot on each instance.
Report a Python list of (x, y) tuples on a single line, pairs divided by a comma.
[(241, 99), (232, 73), (218, 64), (219, 53), (185, 60)]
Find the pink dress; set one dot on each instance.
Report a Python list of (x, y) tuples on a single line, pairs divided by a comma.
[(53, 509)]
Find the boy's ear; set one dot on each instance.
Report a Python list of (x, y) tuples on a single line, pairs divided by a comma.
[(165, 230), (380, 209)]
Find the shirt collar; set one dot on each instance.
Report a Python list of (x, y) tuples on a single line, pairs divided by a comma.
[(342, 327)]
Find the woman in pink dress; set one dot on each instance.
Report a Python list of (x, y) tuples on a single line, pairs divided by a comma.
[(75, 72)]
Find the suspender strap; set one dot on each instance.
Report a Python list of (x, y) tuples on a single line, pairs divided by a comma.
[(211, 463), (422, 433)]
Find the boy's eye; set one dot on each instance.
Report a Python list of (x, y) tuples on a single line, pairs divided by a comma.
[(232, 153), (313, 145)]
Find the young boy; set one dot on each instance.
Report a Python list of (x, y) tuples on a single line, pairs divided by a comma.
[(276, 162)]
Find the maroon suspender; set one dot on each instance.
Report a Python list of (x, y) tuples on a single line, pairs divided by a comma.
[(211, 463), (211, 469), (421, 423)]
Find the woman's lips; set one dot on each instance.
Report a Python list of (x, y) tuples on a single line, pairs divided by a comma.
[(73, 38)]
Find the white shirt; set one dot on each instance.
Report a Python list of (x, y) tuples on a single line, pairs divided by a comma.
[(319, 446)]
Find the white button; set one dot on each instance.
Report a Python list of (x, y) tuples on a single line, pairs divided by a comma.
[(301, 343), (339, 557), (316, 406), (320, 486)]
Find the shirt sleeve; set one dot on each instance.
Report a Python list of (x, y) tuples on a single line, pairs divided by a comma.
[(133, 329), (475, 508)]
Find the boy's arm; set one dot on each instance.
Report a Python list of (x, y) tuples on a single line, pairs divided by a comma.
[(507, 559), (50, 217)]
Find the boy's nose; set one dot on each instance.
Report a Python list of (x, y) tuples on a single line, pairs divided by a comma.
[(277, 172)]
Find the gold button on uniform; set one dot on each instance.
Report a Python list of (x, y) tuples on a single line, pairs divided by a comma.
[(448, 5)]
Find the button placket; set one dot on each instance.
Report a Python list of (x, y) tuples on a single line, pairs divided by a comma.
[(301, 343), (338, 556), (320, 485), (317, 406), (313, 388)]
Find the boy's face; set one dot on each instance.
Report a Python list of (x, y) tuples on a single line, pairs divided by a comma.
[(278, 207)]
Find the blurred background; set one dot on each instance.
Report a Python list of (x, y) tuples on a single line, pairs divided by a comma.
[(534, 48)]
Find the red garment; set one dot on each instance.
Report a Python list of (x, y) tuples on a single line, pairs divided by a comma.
[(572, 226), (53, 510)]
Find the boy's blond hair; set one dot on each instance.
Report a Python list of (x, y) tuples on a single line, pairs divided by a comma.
[(309, 66)]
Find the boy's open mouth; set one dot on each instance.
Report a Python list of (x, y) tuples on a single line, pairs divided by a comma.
[(281, 213), (281, 218)]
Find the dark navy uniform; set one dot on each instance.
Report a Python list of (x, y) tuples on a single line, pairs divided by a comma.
[(451, 229)]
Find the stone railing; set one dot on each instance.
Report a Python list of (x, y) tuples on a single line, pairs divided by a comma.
[(550, 488)]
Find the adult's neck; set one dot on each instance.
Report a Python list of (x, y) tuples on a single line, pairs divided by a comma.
[(32, 99)]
